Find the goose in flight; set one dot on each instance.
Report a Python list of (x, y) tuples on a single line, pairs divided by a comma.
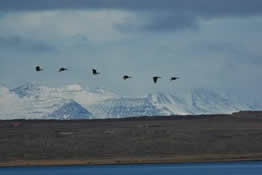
[(62, 69), (94, 71), (174, 78), (155, 79), (38, 68), (125, 77)]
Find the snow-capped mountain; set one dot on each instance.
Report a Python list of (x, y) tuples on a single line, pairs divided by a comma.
[(40, 102), (27, 90), (196, 101), (69, 111), (193, 101), (125, 107), (34, 101)]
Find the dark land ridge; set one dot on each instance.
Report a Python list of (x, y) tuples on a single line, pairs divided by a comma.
[(192, 138)]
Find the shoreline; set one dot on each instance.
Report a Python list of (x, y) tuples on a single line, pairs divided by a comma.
[(212, 158)]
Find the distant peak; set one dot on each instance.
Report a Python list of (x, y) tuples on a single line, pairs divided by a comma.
[(26, 89), (29, 85), (71, 110)]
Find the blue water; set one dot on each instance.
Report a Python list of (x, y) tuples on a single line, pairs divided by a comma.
[(235, 168)]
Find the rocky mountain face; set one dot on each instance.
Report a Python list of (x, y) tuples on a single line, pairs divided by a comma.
[(33, 101)]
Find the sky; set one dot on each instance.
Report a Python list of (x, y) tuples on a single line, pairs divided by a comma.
[(213, 44)]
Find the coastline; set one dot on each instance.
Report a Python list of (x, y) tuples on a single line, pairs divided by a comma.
[(130, 161)]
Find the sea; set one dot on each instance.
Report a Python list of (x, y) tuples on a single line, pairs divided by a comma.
[(232, 168)]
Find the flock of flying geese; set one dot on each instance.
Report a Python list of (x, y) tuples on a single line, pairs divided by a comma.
[(95, 72)]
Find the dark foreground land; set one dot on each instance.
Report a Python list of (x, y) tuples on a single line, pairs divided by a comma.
[(133, 140)]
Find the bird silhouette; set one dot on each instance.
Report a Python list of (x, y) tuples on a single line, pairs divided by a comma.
[(94, 71), (62, 69), (38, 68), (174, 78), (125, 77), (155, 79)]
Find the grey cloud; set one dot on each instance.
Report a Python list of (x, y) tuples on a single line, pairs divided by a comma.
[(172, 22), (182, 14), (22, 44), (165, 22), (237, 53), (199, 7)]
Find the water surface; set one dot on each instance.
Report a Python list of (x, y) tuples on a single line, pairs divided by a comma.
[(233, 168)]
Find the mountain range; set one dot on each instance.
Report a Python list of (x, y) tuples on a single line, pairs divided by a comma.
[(34, 101)]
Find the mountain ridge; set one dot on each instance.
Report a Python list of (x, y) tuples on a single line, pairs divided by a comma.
[(37, 101)]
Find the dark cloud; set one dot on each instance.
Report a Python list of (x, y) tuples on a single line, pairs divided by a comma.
[(172, 22), (22, 44), (165, 22), (204, 7), (182, 13)]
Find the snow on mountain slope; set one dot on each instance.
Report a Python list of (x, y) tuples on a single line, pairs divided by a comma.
[(73, 102), (10, 104), (125, 107), (193, 101), (196, 101), (38, 102), (41, 102), (74, 91), (69, 111)]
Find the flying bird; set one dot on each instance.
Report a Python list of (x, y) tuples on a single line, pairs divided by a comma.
[(125, 77), (94, 71), (155, 79), (174, 78), (62, 69), (38, 69)]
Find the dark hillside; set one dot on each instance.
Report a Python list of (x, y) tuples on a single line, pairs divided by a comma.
[(132, 140)]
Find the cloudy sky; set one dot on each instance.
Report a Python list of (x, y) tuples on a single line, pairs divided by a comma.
[(208, 43)]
